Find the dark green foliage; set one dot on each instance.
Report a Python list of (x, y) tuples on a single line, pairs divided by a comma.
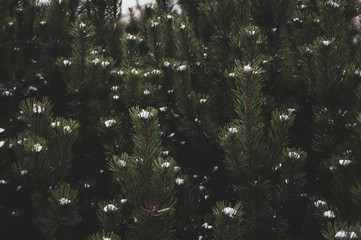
[(147, 180), (253, 153), (62, 213), (165, 6), (228, 221), (188, 48), (156, 127), (44, 159)]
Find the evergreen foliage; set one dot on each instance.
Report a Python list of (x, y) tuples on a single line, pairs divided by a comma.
[(194, 119), (147, 180)]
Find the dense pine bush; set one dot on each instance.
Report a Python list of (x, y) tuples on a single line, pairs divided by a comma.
[(196, 119)]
